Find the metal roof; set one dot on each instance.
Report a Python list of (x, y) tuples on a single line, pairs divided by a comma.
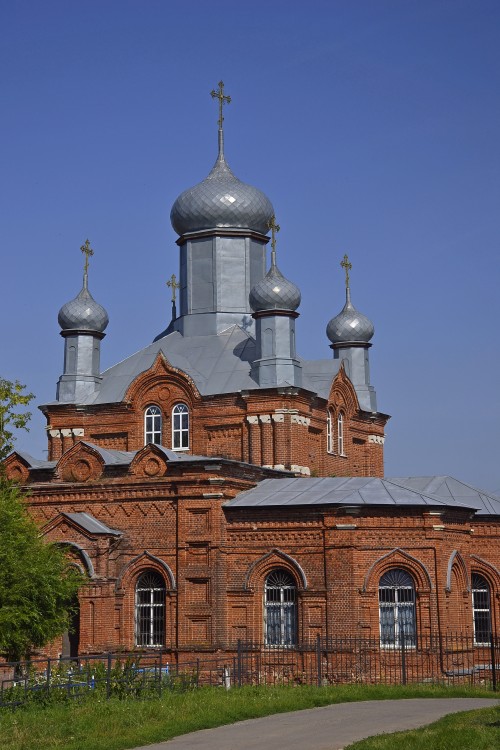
[(435, 491), (218, 363), (91, 524)]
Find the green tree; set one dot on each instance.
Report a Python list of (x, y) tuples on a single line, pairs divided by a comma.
[(37, 584), (12, 415)]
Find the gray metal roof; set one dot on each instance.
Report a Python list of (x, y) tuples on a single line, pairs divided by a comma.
[(35, 463), (349, 325), (83, 313), (221, 200), (91, 524), (274, 292), (443, 491), (218, 363)]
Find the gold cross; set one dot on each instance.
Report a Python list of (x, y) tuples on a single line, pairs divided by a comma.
[(347, 267), (275, 228), (88, 252), (172, 283), (223, 99)]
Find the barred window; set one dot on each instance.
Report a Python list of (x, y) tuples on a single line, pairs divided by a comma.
[(396, 595), (152, 425), (180, 427), (481, 609), (150, 610), (329, 432), (280, 609), (340, 434)]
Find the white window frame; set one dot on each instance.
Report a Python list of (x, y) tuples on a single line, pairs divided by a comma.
[(180, 430), (153, 435), (480, 586), (330, 446), (397, 609), (280, 609), (340, 433), (150, 613)]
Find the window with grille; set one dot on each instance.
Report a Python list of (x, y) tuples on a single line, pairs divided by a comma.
[(340, 434), (329, 432), (152, 425), (481, 609), (396, 595), (180, 427), (280, 609), (150, 610)]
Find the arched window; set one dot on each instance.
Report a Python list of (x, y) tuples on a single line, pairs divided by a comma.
[(329, 432), (340, 434), (280, 609), (396, 596), (481, 609), (152, 425), (180, 427), (150, 610)]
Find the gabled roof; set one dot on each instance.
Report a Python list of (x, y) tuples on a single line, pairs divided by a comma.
[(367, 491), (34, 463), (217, 363), (91, 524)]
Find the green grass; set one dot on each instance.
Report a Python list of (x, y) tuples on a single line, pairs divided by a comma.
[(97, 724), (473, 730)]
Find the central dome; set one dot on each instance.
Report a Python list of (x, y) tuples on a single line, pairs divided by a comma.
[(221, 200)]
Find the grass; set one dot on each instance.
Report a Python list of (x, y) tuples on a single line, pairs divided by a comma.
[(97, 724), (472, 730)]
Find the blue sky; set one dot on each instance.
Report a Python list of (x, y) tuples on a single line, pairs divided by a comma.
[(371, 125)]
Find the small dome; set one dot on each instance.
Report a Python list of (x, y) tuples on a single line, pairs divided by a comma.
[(349, 325), (83, 313), (221, 200), (274, 292)]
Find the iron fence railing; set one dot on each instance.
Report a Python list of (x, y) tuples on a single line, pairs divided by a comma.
[(450, 659)]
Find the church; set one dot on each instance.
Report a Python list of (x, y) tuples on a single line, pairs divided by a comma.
[(216, 488)]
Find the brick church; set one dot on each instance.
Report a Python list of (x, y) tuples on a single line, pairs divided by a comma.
[(215, 486)]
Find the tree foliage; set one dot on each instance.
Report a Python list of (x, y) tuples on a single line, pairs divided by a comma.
[(37, 584), (12, 415)]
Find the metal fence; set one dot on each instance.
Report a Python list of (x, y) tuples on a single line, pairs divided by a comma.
[(450, 659)]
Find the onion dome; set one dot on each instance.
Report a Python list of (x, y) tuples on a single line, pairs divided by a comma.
[(83, 313), (221, 200), (350, 325), (274, 292)]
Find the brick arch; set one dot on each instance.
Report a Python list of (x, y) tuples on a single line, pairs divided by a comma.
[(274, 559), (145, 561), (457, 563), (144, 388), (398, 558), (81, 463), (487, 570), (342, 396), (86, 566)]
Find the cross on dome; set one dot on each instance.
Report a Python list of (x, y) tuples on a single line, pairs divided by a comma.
[(223, 99), (88, 252), (347, 267)]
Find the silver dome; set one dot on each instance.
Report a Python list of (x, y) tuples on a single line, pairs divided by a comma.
[(274, 292), (221, 200), (349, 325), (83, 313)]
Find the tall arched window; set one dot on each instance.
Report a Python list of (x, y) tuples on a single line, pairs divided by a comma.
[(280, 609), (329, 432), (152, 425), (180, 427), (340, 434), (481, 610), (396, 596), (150, 610)]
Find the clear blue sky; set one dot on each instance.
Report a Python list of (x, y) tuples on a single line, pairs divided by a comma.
[(373, 126)]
